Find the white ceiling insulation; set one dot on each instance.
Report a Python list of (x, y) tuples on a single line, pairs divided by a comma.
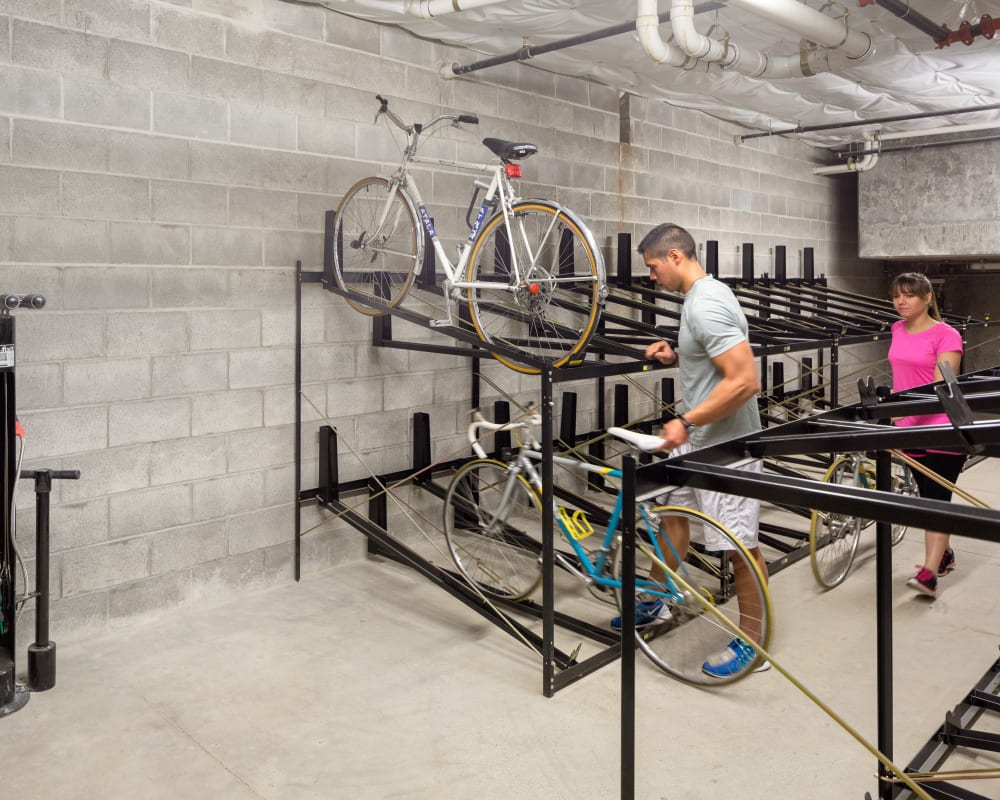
[(905, 73)]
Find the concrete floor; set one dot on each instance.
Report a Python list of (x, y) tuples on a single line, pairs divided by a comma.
[(366, 682)]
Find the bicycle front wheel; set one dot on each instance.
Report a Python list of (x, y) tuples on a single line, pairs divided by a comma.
[(833, 537), (709, 584), (377, 247), (549, 306), (903, 483), (493, 526)]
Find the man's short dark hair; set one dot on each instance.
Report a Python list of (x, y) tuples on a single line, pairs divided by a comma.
[(664, 238)]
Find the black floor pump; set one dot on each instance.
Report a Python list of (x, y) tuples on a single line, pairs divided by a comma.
[(41, 654)]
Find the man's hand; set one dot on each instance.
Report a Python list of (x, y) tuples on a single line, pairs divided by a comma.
[(674, 434), (662, 352)]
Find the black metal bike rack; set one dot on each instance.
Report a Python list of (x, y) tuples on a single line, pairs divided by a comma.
[(861, 428), (786, 316)]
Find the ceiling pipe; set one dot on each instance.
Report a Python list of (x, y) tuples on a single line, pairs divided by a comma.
[(902, 10), (942, 129), (747, 61), (966, 32), (530, 51), (859, 122), (690, 41), (647, 23), (811, 24), (854, 164), (873, 145)]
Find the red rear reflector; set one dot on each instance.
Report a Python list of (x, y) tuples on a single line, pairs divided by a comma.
[(513, 170)]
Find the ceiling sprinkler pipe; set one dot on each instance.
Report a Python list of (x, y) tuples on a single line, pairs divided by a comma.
[(810, 24)]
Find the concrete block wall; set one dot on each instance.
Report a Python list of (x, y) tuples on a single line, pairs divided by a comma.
[(162, 167)]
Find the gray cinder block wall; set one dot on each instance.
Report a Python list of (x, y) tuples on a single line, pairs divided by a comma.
[(163, 166)]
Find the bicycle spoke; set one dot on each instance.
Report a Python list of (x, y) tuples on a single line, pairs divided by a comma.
[(376, 245), (534, 287)]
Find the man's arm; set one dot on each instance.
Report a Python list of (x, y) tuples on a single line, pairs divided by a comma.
[(739, 383)]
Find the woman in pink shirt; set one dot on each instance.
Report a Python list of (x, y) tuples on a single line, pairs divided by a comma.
[(920, 340)]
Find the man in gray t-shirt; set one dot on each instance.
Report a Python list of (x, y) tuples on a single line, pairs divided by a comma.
[(719, 386), (712, 325)]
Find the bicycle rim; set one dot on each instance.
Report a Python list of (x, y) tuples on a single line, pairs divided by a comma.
[(903, 483), (376, 262), (833, 537), (682, 644), (495, 541), (551, 315)]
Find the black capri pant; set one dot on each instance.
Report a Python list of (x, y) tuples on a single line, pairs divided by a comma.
[(947, 465)]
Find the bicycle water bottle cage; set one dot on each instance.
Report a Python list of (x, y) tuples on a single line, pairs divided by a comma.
[(509, 151)]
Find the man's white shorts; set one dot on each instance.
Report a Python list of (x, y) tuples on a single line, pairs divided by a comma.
[(741, 515)]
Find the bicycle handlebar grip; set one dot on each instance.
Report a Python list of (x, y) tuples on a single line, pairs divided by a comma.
[(472, 119)]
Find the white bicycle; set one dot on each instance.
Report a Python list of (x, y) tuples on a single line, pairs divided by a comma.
[(530, 270)]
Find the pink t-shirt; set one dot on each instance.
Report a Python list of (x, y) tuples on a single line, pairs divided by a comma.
[(913, 357)]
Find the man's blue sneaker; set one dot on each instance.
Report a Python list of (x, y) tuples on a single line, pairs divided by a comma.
[(648, 613), (733, 660)]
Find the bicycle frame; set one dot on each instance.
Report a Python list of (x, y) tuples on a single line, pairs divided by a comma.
[(593, 571)]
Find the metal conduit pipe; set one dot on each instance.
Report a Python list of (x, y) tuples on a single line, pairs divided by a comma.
[(528, 51), (915, 18), (865, 159), (879, 121)]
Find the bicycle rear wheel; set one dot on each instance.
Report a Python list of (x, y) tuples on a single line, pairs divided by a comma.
[(833, 537), (493, 527), (375, 256), (552, 313), (682, 644)]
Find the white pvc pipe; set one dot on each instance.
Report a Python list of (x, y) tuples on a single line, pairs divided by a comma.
[(810, 24), (647, 24), (971, 126), (748, 61), (687, 37), (869, 160), (863, 164), (428, 9)]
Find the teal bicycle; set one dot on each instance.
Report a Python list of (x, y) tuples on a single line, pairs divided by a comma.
[(493, 527)]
